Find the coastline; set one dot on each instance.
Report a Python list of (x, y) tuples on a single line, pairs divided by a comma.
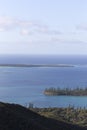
[(36, 65), (65, 92)]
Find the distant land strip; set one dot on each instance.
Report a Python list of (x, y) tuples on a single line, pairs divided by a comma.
[(36, 65), (65, 91)]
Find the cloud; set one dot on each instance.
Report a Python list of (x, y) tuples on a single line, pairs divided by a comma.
[(48, 31), (24, 23), (25, 32), (2, 29), (25, 27), (68, 41), (82, 27), (7, 23)]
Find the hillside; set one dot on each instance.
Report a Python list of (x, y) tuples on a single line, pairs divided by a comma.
[(16, 117), (70, 114)]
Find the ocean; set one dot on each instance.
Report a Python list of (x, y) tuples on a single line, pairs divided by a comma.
[(24, 85)]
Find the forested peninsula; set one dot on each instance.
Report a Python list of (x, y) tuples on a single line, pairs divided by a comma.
[(65, 91)]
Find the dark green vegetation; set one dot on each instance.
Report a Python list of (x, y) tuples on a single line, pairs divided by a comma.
[(16, 117), (77, 116), (66, 91)]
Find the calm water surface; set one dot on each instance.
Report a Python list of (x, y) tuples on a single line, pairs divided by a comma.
[(25, 85)]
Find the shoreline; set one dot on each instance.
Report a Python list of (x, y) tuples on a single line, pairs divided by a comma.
[(65, 92), (36, 65)]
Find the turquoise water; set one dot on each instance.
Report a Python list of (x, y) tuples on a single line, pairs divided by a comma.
[(25, 85)]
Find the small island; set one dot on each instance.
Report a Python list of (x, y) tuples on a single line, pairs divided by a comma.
[(65, 92), (36, 65)]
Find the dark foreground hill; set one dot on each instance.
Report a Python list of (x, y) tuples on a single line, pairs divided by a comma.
[(16, 117)]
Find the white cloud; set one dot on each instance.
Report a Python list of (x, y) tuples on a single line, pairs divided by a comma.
[(68, 41), (82, 27), (2, 30), (26, 27), (7, 23), (48, 31), (24, 23), (25, 32)]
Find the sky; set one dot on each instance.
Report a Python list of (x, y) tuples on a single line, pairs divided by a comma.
[(43, 27)]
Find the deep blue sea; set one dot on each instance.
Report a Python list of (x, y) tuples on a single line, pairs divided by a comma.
[(25, 85)]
